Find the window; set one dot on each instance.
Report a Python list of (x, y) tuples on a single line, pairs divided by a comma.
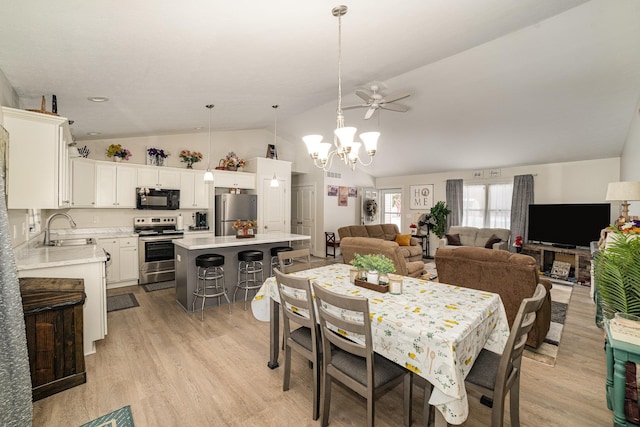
[(391, 207), (487, 205)]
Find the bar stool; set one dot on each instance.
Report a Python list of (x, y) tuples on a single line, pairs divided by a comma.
[(210, 274), (249, 265), (274, 256)]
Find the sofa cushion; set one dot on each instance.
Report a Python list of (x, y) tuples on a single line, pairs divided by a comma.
[(453, 239), (403, 239), (493, 239), (485, 234)]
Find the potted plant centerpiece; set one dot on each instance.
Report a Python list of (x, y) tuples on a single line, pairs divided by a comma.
[(244, 228), (118, 153), (190, 157), (377, 266)]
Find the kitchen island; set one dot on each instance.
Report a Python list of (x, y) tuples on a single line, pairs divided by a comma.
[(187, 249)]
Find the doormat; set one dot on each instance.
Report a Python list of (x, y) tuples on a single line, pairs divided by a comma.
[(547, 352), (119, 418), (121, 302), (159, 286)]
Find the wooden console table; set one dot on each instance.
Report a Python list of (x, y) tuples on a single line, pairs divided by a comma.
[(618, 353), (546, 254)]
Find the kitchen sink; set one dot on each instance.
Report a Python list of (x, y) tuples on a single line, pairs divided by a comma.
[(71, 242)]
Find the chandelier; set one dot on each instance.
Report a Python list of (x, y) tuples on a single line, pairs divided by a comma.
[(344, 146)]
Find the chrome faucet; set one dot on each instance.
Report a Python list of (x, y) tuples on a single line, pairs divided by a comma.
[(47, 235)]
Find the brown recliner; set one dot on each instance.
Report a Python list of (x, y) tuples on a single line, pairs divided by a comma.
[(512, 276)]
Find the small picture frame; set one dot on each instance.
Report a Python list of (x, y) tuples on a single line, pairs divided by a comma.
[(353, 192), (271, 152), (332, 190), (343, 196)]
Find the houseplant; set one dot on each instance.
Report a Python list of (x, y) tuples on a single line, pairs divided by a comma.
[(190, 157), (439, 215), (156, 156), (232, 161), (374, 264), (617, 274), (118, 153)]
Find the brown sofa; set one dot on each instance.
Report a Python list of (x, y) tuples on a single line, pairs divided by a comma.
[(512, 276), (381, 239)]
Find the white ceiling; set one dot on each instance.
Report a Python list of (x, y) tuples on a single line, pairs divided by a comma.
[(493, 82)]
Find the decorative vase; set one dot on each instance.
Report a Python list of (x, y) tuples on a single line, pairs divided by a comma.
[(232, 168), (372, 277), (189, 165), (117, 159)]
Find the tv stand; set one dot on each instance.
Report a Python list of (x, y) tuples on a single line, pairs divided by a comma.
[(563, 246), (580, 259)]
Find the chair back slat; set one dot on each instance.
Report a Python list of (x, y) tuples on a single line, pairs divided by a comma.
[(296, 301), (344, 321), (290, 261)]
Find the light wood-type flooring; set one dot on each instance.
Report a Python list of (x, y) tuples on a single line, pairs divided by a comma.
[(175, 370)]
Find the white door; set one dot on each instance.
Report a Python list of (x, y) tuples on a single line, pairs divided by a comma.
[(274, 206), (303, 203)]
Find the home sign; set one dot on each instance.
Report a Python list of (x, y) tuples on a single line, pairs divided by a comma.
[(421, 196)]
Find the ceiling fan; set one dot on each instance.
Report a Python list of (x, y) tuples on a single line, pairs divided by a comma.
[(375, 100)]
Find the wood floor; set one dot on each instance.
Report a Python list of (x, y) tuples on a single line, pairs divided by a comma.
[(175, 370)]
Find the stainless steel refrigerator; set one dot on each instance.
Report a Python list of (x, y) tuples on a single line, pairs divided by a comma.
[(234, 207)]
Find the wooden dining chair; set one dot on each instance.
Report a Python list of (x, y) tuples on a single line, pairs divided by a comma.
[(494, 375), (330, 242), (297, 307), (353, 364), (290, 261)]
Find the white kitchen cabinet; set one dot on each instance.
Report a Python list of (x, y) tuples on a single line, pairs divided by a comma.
[(274, 203), (122, 268), (229, 179), (193, 190), (83, 183), (158, 177), (115, 185), (94, 312), (38, 171)]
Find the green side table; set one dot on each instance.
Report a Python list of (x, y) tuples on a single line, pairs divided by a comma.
[(618, 353)]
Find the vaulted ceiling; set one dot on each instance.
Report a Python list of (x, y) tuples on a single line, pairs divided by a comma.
[(493, 82)]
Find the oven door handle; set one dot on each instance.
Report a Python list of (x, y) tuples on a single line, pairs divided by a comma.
[(159, 238)]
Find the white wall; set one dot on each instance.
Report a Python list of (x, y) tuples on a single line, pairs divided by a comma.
[(629, 170), (570, 182)]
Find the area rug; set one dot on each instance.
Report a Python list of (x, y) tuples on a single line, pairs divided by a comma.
[(548, 350), (119, 418), (159, 286), (121, 302)]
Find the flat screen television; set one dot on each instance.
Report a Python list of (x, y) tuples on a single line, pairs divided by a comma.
[(568, 225)]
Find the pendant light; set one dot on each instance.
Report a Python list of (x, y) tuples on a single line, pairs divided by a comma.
[(274, 180), (344, 147), (208, 175)]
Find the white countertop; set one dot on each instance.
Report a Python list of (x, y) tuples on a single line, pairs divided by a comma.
[(210, 241), (30, 258)]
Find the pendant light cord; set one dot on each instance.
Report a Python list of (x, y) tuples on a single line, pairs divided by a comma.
[(210, 107)]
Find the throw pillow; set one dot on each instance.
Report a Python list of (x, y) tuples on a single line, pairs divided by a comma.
[(403, 239), (453, 239), (493, 239)]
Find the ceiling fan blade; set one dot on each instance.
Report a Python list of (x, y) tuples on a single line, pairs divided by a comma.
[(364, 95), (395, 107), (370, 112), (396, 97), (351, 107)]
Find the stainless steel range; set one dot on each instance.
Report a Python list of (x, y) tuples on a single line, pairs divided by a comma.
[(155, 248)]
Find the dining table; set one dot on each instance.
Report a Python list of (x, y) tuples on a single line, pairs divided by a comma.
[(434, 330)]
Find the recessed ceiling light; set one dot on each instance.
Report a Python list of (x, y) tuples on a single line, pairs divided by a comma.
[(97, 99), (93, 133)]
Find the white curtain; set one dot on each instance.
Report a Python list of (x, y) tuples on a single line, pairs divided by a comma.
[(15, 379)]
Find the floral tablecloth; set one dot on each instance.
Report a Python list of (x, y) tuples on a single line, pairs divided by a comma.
[(433, 329)]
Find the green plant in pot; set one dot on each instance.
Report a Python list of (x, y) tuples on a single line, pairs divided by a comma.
[(375, 265), (439, 214), (617, 275)]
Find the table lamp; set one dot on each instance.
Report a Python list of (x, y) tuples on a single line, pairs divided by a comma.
[(623, 191)]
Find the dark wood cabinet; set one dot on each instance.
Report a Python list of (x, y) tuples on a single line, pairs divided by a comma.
[(53, 322)]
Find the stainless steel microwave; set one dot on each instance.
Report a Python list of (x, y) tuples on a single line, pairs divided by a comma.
[(157, 198)]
